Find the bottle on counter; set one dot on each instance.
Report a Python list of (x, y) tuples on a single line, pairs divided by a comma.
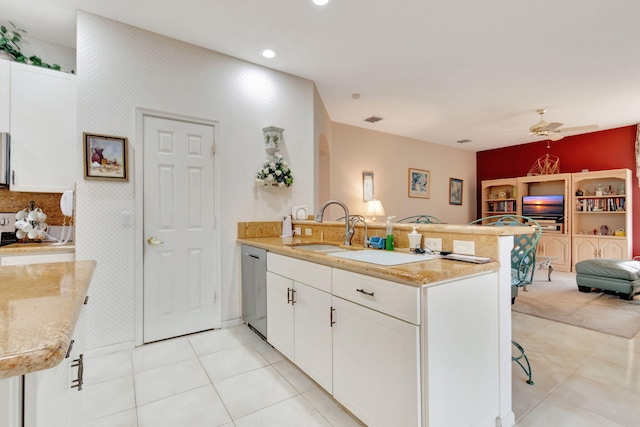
[(389, 238), (415, 240)]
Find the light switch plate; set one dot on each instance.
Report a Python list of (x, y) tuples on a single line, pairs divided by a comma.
[(7, 222), (433, 243), (464, 247)]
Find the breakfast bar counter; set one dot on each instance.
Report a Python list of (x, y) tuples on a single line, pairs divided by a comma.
[(39, 307)]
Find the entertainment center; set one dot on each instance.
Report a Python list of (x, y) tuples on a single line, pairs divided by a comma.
[(582, 215)]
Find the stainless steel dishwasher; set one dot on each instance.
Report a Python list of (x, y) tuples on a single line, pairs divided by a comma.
[(254, 289)]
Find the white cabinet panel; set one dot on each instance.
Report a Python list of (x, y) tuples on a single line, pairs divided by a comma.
[(36, 258), (5, 93), (11, 402), (557, 247), (376, 366), (280, 313), (43, 129)]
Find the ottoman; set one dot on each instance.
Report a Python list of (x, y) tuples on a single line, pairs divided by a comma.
[(615, 275)]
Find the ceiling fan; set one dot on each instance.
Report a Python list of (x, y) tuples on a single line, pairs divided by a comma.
[(552, 130)]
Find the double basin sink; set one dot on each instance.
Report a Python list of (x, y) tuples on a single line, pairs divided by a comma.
[(379, 257)]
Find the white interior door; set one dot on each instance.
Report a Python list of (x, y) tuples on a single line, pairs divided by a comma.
[(179, 277)]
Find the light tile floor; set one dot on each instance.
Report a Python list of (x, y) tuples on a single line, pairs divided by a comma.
[(230, 377), (226, 377)]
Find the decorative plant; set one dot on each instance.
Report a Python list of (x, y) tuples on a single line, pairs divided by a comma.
[(9, 42), (275, 173)]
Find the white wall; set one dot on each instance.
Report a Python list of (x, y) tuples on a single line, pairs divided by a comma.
[(354, 150), (121, 68)]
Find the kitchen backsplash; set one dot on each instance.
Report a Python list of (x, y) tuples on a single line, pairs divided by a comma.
[(13, 201)]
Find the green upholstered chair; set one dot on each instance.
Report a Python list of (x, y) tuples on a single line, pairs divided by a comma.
[(523, 262), (420, 219)]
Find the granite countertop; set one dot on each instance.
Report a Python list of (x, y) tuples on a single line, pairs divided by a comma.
[(39, 307), (414, 274), (35, 248)]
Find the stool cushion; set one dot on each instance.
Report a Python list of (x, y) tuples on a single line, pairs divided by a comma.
[(610, 268)]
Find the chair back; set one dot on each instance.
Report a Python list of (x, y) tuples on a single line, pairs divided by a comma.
[(420, 219), (523, 254)]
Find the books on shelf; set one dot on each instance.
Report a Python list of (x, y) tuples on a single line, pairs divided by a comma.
[(502, 206), (601, 204)]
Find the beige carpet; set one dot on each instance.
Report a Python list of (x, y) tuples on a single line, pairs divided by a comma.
[(559, 300)]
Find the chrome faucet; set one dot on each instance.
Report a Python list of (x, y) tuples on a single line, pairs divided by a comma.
[(359, 218), (348, 232)]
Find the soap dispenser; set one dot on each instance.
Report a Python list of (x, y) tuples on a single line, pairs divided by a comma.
[(415, 239), (389, 238)]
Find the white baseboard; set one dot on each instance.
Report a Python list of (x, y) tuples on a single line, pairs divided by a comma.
[(129, 345), (231, 323)]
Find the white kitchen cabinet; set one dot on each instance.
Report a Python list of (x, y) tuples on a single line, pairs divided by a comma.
[(376, 365), (558, 247), (299, 315), (40, 258), (598, 247), (11, 402), (5, 93), (280, 314), (53, 397), (43, 129)]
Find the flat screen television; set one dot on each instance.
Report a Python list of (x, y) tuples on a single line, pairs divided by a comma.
[(550, 206)]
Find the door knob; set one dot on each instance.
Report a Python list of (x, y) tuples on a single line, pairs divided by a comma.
[(154, 241)]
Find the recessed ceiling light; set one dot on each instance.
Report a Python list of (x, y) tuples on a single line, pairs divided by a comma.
[(320, 2), (269, 53)]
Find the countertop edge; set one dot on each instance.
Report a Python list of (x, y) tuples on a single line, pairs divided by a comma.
[(50, 353)]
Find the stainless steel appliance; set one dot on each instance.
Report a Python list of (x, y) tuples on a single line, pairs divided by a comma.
[(254, 288)]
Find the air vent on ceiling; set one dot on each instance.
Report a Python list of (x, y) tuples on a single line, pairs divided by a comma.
[(463, 141), (373, 119)]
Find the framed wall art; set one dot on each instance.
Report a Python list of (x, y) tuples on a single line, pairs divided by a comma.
[(419, 182), (367, 186), (105, 157), (455, 191)]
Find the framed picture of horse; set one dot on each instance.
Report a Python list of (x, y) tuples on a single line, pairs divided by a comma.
[(105, 157)]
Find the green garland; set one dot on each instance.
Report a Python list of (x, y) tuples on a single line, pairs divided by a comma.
[(9, 42)]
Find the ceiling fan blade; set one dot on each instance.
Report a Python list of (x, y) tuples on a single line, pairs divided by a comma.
[(553, 126), (554, 136), (586, 128)]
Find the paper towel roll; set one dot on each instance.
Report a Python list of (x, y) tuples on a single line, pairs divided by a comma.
[(287, 227)]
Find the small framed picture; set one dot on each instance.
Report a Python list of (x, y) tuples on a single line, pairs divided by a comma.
[(455, 191), (105, 157), (419, 182), (367, 186)]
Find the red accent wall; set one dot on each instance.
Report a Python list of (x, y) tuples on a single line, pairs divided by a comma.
[(607, 149)]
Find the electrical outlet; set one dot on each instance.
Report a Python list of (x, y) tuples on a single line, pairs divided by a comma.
[(433, 243), (308, 231), (297, 231), (464, 247)]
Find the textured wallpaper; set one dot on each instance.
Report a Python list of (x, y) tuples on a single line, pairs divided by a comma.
[(121, 68)]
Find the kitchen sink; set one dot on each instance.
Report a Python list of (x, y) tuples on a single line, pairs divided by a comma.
[(383, 257), (321, 248)]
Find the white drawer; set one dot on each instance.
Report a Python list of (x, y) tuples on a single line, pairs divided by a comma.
[(309, 273), (394, 299)]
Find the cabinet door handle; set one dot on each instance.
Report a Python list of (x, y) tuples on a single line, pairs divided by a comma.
[(293, 296), (77, 383), (362, 291), (331, 321), (289, 299), (86, 300), (13, 177), (69, 349)]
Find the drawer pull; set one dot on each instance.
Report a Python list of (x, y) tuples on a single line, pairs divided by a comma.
[(77, 383), (86, 300), (362, 291), (289, 299), (331, 321), (293, 296), (69, 349)]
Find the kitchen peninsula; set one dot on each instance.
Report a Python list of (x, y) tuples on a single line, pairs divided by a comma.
[(408, 344), (41, 332)]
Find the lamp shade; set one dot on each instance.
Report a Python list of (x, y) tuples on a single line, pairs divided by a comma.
[(374, 208)]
